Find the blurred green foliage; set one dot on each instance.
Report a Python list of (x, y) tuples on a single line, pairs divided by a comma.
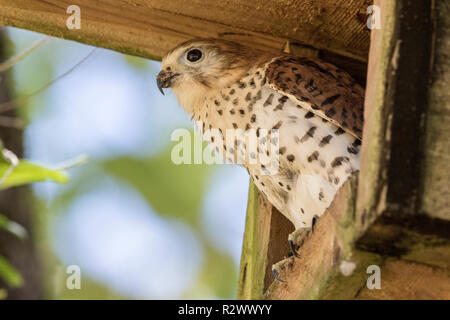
[(178, 191), (175, 192), (9, 274), (26, 172), (13, 227), (15, 172)]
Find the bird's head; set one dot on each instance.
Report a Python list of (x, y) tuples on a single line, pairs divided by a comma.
[(196, 66)]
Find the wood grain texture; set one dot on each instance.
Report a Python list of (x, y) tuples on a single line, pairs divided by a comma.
[(150, 28), (371, 190), (265, 243), (255, 246), (406, 280), (405, 150), (321, 252), (436, 197)]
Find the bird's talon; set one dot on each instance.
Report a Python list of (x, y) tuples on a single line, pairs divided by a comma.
[(292, 251), (275, 274), (314, 221)]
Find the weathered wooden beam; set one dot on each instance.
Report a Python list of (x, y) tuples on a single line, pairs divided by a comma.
[(407, 280), (149, 28), (405, 150), (254, 250), (422, 274), (402, 212), (371, 190), (321, 252), (265, 243), (436, 158)]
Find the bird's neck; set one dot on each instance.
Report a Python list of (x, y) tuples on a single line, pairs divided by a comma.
[(190, 97)]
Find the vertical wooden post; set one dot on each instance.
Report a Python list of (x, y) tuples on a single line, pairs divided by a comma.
[(265, 243), (406, 111)]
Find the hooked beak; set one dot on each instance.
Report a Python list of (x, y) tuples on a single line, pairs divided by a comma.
[(165, 80)]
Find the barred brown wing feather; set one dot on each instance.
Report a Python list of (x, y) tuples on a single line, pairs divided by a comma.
[(324, 89)]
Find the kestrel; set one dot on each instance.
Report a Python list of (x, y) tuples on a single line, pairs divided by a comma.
[(316, 107)]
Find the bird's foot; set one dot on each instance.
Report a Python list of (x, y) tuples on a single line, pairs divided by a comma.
[(277, 267), (297, 238)]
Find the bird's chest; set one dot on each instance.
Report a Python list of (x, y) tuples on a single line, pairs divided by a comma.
[(242, 106), (291, 139), (232, 108), (297, 159)]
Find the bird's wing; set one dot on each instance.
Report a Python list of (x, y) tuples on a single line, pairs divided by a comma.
[(322, 88)]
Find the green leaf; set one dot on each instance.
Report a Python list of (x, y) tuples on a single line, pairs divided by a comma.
[(12, 227), (9, 274), (26, 172)]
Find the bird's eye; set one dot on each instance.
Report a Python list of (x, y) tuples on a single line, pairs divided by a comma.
[(194, 55)]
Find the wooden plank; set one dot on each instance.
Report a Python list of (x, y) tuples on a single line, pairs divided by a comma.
[(436, 186), (407, 278), (265, 243), (404, 151), (402, 206), (254, 250), (407, 100), (348, 286), (371, 189), (409, 281), (150, 28), (307, 277), (398, 236)]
